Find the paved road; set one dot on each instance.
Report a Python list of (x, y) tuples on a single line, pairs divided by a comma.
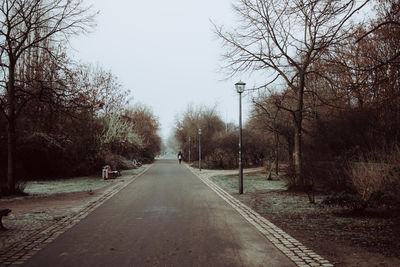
[(167, 217)]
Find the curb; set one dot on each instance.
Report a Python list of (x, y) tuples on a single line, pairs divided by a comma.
[(293, 249), (23, 250)]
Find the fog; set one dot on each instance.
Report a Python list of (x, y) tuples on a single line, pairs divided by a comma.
[(165, 53)]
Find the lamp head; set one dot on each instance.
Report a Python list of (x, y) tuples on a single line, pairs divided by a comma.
[(240, 87)]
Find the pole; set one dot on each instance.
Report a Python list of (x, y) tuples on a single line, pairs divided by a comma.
[(189, 149), (200, 149), (240, 146)]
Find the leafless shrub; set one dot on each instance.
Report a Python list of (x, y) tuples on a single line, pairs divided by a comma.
[(290, 177), (377, 183), (368, 178)]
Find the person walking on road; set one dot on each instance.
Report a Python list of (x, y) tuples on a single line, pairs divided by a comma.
[(180, 157)]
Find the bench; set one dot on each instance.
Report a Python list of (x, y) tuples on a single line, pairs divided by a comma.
[(109, 174), (114, 174), (3, 212)]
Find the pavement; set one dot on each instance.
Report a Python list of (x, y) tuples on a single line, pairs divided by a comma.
[(165, 217)]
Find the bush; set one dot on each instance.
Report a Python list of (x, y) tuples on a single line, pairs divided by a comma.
[(368, 178), (373, 183), (377, 184), (347, 136), (41, 156), (326, 175), (290, 177), (117, 162), (345, 199), (204, 164)]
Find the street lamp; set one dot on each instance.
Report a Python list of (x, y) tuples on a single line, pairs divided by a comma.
[(240, 89), (189, 149), (200, 149)]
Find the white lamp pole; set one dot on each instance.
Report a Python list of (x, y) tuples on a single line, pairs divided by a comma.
[(240, 89)]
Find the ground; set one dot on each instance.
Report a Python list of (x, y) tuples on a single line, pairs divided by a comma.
[(343, 240)]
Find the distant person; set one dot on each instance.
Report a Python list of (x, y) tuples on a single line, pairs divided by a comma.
[(180, 157)]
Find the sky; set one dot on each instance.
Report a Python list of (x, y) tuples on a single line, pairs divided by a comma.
[(165, 53)]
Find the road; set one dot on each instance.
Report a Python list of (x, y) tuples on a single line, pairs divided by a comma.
[(166, 217)]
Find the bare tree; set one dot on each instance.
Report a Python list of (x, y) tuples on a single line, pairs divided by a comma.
[(282, 39), (26, 25), (267, 117), (102, 89), (188, 124)]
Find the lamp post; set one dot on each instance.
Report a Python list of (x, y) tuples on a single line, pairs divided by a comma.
[(240, 89), (200, 149), (189, 149)]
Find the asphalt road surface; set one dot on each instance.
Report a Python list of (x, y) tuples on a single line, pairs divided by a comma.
[(167, 217)]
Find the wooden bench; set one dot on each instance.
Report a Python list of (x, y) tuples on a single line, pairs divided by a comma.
[(3, 212)]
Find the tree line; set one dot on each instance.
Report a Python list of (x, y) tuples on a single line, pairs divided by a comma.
[(328, 100), (332, 90), (218, 140), (59, 117)]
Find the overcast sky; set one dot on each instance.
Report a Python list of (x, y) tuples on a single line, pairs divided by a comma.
[(165, 52)]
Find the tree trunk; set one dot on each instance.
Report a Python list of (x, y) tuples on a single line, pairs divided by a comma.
[(298, 163), (11, 140), (298, 129), (290, 149), (11, 146), (276, 154)]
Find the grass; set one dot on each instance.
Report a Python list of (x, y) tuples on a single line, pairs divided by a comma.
[(252, 182), (75, 184)]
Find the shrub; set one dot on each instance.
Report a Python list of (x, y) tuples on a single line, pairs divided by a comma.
[(373, 183), (41, 156), (326, 175), (345, 199), (377, 184), (117, 162), (368, 178), (290, 177)]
